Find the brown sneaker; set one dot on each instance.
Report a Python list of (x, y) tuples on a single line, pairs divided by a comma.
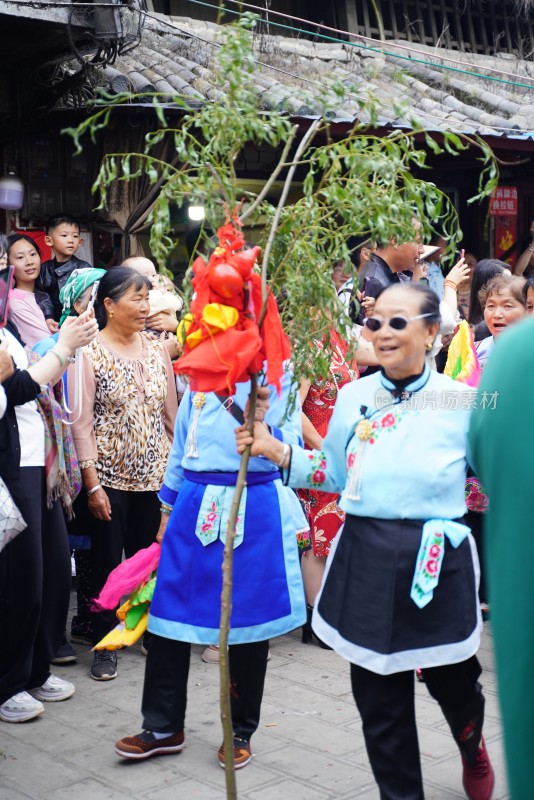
[(145, 745), (242, 754)]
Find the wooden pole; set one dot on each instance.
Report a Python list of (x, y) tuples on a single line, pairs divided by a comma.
[(226, 607)]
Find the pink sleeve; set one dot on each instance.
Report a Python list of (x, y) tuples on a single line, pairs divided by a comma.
[(83, 430), (29, 319)]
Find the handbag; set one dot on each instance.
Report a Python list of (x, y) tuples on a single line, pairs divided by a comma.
[(11, 520)]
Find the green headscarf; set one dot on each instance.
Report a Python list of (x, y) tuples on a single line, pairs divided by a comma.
[(79, 280)]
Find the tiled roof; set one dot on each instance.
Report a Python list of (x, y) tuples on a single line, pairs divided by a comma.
[(176, 55)]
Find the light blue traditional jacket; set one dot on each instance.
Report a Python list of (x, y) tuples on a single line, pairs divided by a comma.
[(413, 463), (215, 445)]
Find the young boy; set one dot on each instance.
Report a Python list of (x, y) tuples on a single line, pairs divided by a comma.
[(63, 235)]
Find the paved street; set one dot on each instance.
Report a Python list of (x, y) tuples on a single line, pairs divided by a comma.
[(309, 744)]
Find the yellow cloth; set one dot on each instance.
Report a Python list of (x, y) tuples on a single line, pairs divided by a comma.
[(120, 636), (216, 317), (462, 362)]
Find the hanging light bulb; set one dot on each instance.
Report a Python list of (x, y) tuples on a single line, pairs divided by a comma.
[(196, 213), (11, 192)]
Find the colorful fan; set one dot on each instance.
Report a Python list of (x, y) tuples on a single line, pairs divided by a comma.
[(462, 362)]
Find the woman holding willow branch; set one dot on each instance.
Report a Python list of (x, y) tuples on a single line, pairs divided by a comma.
[(224, 345)]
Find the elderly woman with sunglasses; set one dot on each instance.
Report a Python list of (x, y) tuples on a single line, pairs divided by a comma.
[(400, 588)]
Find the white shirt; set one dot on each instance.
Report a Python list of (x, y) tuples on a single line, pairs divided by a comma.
[(30, 424)]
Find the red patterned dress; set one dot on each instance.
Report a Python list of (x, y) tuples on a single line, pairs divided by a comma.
[(324, 515)]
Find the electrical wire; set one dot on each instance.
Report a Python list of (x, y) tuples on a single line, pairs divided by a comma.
[(373, 48), (367, 39), (512, 132), (186, 32), (378, 50)]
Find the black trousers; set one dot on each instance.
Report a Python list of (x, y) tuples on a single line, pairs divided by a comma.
[(35, 575), (165, 688), (476, 523), (135, 518), (387, 708), (81, 526)]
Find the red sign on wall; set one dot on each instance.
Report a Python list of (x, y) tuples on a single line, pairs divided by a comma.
[(505, 236), (504, 202)]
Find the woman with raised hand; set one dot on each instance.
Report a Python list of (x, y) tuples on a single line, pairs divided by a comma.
[(35, 567), (75, 296), (400, 589)]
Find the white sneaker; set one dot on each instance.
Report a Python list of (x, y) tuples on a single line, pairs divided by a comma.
[(211, 654), (20, 708), (53, 690)]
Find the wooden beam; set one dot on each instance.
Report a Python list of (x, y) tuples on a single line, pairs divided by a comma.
[(349, 11)]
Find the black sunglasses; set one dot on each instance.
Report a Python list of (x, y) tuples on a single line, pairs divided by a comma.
[(398, 323)]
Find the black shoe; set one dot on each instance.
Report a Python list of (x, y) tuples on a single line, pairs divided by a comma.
[(104, 666), (81, 638), (308, 634), (145, 645), (65, 653)]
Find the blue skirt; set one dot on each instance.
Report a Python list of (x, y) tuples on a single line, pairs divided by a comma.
[(268, 596)]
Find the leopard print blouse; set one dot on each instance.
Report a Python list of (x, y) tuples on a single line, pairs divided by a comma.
[(127, 437)]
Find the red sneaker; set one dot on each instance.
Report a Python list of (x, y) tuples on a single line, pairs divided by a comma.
[(479, 778)]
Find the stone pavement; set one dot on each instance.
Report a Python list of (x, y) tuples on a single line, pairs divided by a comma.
[(309, 745)]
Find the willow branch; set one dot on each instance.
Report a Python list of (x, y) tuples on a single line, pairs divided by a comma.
[(310, 133), (220, 184), (226, 606), (281, 164)]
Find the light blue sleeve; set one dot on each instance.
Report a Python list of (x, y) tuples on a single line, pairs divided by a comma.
[(43, 345), (174, 475), (285, 429), (324, 470)]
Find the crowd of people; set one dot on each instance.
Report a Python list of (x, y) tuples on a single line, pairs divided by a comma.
[(103, 453)]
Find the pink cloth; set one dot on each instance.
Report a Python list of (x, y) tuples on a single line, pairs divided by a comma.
[(28, 317), (128, 576)]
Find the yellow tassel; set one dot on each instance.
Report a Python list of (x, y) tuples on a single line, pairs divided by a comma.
[(363, 431), (199, 401)]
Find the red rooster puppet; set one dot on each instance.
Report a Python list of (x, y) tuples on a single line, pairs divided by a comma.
[(223, 343)]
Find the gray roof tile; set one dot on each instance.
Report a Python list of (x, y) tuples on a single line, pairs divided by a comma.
[(295, 75)]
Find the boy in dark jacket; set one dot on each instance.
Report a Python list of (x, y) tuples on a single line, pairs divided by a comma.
[(63, 235)]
